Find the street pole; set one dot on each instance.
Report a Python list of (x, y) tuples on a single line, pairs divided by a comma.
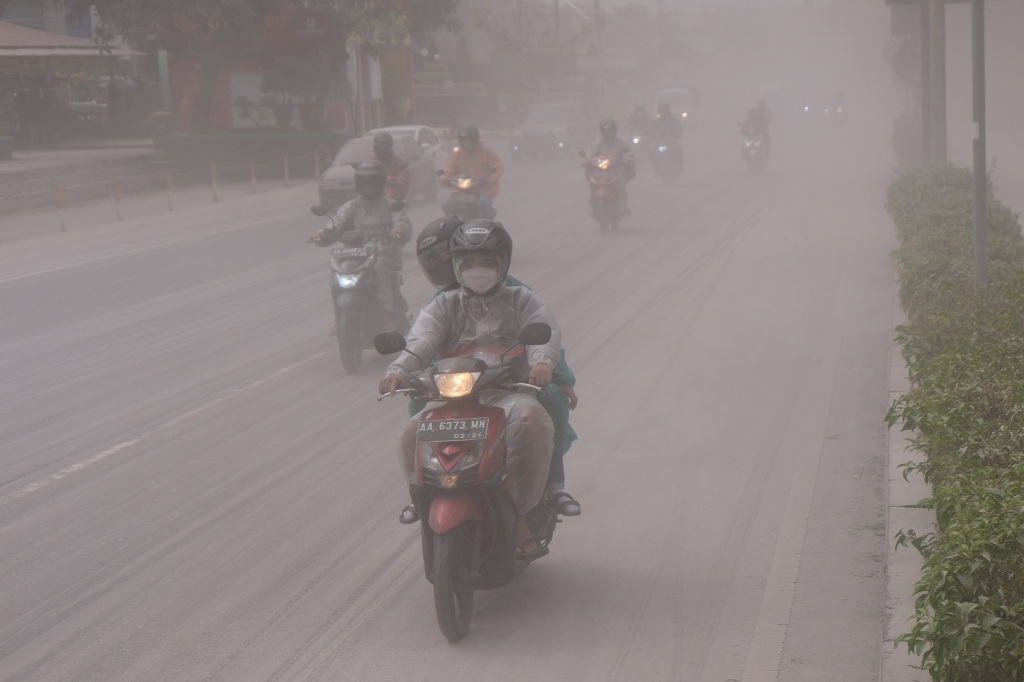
[(599, 56), (937, 64), (926, 82), (980, 176)]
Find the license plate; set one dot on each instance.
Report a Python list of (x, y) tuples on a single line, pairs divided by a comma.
[(352, 252), (448, 430)]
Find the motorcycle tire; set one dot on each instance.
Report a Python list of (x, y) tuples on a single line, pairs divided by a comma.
[(350, 346), (453, 589)]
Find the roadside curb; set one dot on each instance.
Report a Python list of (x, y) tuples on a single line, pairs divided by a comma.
[(902, 566)]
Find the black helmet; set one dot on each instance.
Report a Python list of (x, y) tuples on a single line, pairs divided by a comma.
[(433, 249), (383, 144), (608, 129), (370, 179), (469, 137), (483, 236)]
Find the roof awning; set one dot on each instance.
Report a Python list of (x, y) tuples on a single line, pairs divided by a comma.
[(50, 52), (21, 41)]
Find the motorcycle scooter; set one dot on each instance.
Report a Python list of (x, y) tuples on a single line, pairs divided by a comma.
[(754, 151), (603, 176), (465, 198), (667, 160), (467, 515), (355, 291)]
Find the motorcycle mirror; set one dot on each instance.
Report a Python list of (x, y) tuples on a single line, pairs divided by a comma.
[(440, 172), (317, 211), (535, 334), (387, 343)]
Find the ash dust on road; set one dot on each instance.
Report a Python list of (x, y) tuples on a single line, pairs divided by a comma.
[(191, 488)]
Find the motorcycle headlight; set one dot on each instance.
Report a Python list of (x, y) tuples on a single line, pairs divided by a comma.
[(455, 384), (347, 281), (662, 148), (636, 139), (604, 163), (464, 183)]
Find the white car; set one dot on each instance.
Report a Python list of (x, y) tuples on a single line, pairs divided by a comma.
[(431, 143)]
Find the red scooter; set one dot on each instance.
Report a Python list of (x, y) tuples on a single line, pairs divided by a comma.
[(467, 515), (605, 175)]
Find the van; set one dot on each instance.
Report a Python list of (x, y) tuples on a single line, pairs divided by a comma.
[(681, 100)]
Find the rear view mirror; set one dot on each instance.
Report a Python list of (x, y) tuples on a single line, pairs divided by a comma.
[(535, 334), (317, 211), (387, 343)]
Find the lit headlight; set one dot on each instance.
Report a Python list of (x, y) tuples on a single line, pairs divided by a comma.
[(662, 148), (604, 163), (347, 281), (464, 183), (686, 114), (456, 384)]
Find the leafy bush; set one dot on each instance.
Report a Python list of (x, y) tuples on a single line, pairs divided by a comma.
[(964, 346)]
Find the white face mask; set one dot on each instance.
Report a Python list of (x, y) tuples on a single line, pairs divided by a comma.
[(479, 280)]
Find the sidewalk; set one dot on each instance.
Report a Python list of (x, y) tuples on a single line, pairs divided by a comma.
[(110, 208), (903, 565)]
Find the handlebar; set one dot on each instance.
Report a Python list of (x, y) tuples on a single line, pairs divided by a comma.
[(412, 391)]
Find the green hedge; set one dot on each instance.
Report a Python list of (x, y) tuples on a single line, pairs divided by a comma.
[(964, 347)]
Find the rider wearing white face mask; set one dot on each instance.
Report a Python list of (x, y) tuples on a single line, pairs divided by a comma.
[(482, 319)]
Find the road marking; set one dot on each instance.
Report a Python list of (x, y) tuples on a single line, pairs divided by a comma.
[(764, 657), (242, 222), (120, 447)]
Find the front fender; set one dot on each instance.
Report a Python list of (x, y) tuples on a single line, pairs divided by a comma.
[(449, 510), (345, 299)]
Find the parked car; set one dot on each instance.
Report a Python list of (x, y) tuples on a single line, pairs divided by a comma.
[(550, 128), (337, 183)]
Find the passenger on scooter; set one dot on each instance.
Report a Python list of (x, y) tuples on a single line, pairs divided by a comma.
[(609, 144), (398, 171), (434, 254), (371, 211), (481, 319), (474, 159)]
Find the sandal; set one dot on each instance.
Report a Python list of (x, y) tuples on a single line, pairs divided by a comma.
[(525, 551), (410, 514), (565, 503)]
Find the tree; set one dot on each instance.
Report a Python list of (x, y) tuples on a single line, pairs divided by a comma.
[(216, 32)]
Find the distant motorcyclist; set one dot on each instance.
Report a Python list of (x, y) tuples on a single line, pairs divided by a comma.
[(473, 159), (478, 319), (371, 211), (668, 128), (398, 171), (667, 125), (639, 122), (757, 122), (611, 145)]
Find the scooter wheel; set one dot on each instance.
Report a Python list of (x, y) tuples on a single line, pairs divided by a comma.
[(453, 591)]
